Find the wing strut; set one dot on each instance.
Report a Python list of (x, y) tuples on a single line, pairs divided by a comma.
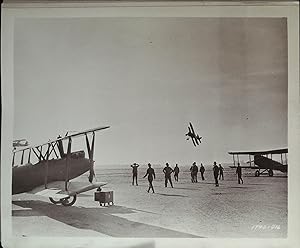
[(67, 163), (47, 164)]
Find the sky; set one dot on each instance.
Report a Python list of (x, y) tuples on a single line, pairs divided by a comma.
[(147, 78)]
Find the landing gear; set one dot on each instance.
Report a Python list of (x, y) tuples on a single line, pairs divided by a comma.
[(270, 173), (265, 171), (65, 201)]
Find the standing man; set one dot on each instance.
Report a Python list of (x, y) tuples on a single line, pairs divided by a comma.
[(168, 171), (134, 173), (192, 174), (239, 173), (221, 172), (195, 172), (151, 175), (202, 169), (176, 172), (216, 174)]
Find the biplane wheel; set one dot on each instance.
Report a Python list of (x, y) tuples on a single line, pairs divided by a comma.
[(270, 173), (257, 173), (54, 201), (66, 201)]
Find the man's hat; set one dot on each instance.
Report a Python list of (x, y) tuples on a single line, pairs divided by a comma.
[(194, 163)]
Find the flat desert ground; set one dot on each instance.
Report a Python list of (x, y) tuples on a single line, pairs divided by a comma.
[(255, 209)]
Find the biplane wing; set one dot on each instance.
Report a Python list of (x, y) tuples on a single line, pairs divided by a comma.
[(194, 134), (77, 134), (55, 190), (264, 152)]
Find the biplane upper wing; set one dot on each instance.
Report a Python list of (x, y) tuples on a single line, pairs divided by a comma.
[(274, 151), (65, 138), (194, 135)]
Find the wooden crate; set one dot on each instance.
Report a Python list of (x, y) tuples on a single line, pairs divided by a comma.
[(104, 197)]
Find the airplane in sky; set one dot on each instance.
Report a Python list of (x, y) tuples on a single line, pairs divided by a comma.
[(54, 168), (20, 142), (194, 137), (263, 161)]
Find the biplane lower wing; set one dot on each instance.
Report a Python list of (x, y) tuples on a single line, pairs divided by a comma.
[(245, 166), (54, 189)]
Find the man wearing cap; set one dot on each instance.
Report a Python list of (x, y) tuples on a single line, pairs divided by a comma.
[(168, 171), (134, 173)]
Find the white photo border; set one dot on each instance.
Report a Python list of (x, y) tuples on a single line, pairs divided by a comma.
[(147, 9)]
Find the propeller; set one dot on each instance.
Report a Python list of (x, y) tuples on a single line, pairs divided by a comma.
[(91, 157)]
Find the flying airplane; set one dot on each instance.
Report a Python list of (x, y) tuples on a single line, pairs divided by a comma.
[(263, 161), (51, 174), (194, 137), (20, 142)]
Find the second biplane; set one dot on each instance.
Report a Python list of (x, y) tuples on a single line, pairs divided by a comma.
[(194, 137), (54, 169), (263, 161)]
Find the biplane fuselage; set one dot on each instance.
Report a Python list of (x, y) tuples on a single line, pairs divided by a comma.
[(29, 176)]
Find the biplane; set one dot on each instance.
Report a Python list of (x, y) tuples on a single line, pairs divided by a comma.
[(54, 168), (263, 161), (194, 137), (20, 142)]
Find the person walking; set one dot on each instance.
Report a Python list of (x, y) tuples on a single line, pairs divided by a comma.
[(176, 172), (239, 173), (168, 171), (134, 167), (221, 169), (216, 174), (202, 170), (151, 175)]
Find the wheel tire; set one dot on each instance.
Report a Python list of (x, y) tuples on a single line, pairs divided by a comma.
[(54, 201), (66, 201), (257, 173), (270, 173)]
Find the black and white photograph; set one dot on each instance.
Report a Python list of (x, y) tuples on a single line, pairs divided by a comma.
[(150, 127)]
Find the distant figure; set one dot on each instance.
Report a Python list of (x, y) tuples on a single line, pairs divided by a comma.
[(216, 174), (151, 175), (239, 173), (221, 172), (134, 173), (168, 171), (202, 170), (176, 172), (192, 174), (194, 171)]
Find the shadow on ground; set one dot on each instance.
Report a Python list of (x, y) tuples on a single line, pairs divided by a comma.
[(98, 219)]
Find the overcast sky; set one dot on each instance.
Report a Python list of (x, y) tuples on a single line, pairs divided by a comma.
[(148, 78)]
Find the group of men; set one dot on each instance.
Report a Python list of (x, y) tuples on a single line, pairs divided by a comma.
[(151, 175), (217, 171)]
